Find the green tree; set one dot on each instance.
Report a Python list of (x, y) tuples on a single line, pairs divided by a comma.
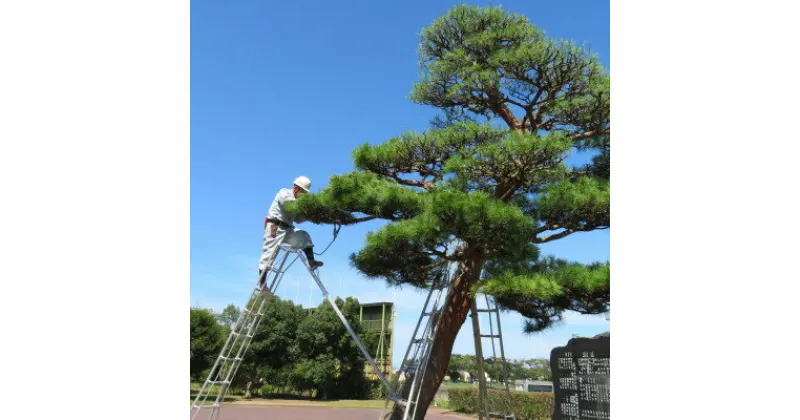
[(332, 363), (206, 340), (462, 363), (274, 345), (229, 315), (318, 373), (494, 368), (517, 370), (537, 369), (490, 174)]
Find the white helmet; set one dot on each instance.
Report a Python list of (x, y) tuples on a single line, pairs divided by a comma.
[(303, 183)]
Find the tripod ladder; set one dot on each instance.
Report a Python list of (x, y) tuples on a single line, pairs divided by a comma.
[(218, 382)]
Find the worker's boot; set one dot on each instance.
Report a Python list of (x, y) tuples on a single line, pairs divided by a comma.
[(262, 277), (314, 264)]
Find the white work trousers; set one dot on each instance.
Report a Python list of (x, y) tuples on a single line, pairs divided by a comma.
[(296, 238)]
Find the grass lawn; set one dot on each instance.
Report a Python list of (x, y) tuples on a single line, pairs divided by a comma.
[(195, 387), (457, 385), (309, 403), (238, 400), (300, 403), (211, 398)]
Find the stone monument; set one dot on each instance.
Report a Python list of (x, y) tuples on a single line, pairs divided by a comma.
[(581, 379)]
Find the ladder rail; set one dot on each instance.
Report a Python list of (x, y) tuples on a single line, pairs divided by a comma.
[(506, 373), (483, 407), (432, 327), (414, 344), (426, 358), (230, 343), (483, 393), (491, 329), (242, 332), (263, 297), (281, 272), (254, 327), (215, 374), (421, 345), (349, 328), (424, 347), (416, 329)]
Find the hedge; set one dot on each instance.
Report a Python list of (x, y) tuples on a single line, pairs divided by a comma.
[(527, 405)]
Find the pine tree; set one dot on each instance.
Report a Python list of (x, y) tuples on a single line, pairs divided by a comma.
[(490, 173)]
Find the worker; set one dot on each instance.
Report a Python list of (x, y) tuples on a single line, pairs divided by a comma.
[(279, 228)]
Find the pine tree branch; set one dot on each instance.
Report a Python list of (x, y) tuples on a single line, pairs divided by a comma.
[(554, 236), (434, 265), (408, 182), (506, 193), (588, 134), (513, 102), (436, 253), (564, 233), (359, 220), (545, 228), (573, 175), (534, 117), (502, 110)]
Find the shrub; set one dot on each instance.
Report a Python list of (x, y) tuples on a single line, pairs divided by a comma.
[(534, 405), (463, 400), (527, 405), (377, 390)]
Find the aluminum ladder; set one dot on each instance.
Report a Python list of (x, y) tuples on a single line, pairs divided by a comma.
[(484, 407), (417, 355), (217, 385)]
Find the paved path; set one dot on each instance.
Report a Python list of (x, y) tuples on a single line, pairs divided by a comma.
[(245, 412)]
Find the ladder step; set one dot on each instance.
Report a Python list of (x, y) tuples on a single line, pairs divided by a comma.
[(215, 405), (489, 336), (487, 310), (272, 270), (234, 359), (256, 313), (401, 402), (242, 334), (219, 382), (421, 340)]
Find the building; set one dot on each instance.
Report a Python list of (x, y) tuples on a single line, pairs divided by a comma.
[(379, 317), (533, 386)]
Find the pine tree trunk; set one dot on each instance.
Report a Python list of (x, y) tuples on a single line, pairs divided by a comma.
[(453, 318)]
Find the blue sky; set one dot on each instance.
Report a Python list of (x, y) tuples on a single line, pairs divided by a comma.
[(282, 89)]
